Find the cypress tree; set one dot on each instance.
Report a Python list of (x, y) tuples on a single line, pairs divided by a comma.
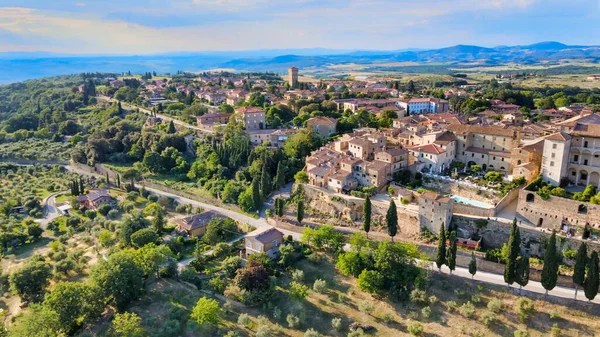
[(256, 194), (81, 187), (279, 177), (473, 265), (171, 127), (120, 108), (550, 270), (522, 276), (392, 219), (592, 278), (440, 258), (118, 180), (107, 180), (580, 265), (158, 222), (452, 252), (300, 211), (265, 183), (367, 215), (514, 248)]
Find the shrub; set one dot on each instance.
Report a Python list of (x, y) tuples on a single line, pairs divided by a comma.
[(356, 333), (418, 296), (244, 319), (298, 275), (264, 330), (452, 305), (426, 312), (221, 250), (555, 314), (336, 323), (387, 317), (521, 333), (293, 321), (433, 299), (113, 213), (488, 318), (320, 286), (555, 331), (153, 198), (366, 307), (311, 333), (467, 310), (476, 299), (277, 313), (495, 305), (298, 290), (415, 329), (524, 309)]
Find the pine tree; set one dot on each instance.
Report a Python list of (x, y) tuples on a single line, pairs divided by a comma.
[(265, 183), (171, 127), (300, 211), (522, 275), (367, 215), (159, 222), (440, 258), (473, 265), (392, 220), (592, 281), (550, 269), (514, 248), (279, 177), (256, 194), (580, 265), (451, 261)]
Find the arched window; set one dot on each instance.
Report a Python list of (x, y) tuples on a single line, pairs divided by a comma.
[(530, 197), (582, 209)]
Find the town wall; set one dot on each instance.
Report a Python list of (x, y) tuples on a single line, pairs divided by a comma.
[(554, 211), (460, 208), (508, 199)]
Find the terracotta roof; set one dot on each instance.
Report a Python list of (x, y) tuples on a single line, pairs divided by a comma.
[(198, 220), (321, 120), (429, 148), (249, 109), (590, 130), (93, 195), (489, 130), (435, 197), (265, 235), (561, 136)]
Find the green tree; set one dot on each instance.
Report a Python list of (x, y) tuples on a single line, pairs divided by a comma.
[(592, 281), (119, 278), (392, 219), (143, 237), (301, 177), (256, 195), (153, 162), (451, 262), (75, 303), (550, 269), (265, 183), (370, 281), (128, 324), (300, 211), (473, 265), (580, 265), (30, 281), (279, 176), (171, 128), (207, 311), (367, 215), (440, 258), (38, 321), (522, 275), (514, 249), (150, 257), (158, 222)]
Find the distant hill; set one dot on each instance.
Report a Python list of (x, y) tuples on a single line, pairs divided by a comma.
[(15, 66)]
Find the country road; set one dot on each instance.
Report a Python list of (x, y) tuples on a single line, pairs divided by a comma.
[(497, 279), (51, 211)]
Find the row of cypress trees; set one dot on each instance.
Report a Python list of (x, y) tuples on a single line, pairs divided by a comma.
[(391, 217), (447, 255)]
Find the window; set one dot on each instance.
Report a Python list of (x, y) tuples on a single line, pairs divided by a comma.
[(585, 144), (249, 244), (259, 248), (576, 157), (551, 163), (554, 146), (275, 243), (553, 155), (585, 162)]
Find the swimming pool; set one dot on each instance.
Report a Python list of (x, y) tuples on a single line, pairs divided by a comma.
[(471, 202)]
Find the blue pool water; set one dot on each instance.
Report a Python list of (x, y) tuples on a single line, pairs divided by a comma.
[(471, 202)]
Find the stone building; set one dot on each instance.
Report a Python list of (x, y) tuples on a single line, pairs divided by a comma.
[(252, 117), (293, 77), (323, 126), (434, 209)]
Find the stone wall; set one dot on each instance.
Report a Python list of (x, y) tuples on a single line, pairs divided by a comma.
[(455, 188), (345, 210), (508, 199), (554, 211), (460, 208)]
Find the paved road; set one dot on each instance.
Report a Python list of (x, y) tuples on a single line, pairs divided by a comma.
[(261, 222), (161, 116), (51, 211)]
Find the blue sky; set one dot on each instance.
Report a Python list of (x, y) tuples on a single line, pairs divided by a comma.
[(157, 26)]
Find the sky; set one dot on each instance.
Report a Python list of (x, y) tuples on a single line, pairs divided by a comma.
[(157, 26)]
